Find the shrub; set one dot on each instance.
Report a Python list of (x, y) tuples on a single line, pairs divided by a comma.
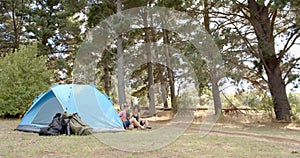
[(23, 76), (294, 100)]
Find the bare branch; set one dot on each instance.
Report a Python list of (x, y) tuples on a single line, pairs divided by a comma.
[(273, 18), (292, 67), (289, 44), (256, 83), (283, 30), (246, 41), (242, 7), (286, 47), (227, 14)]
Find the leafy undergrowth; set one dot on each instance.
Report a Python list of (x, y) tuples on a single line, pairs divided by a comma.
[(190, 144)]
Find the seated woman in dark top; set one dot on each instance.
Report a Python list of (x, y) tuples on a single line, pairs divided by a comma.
[(137, 116)]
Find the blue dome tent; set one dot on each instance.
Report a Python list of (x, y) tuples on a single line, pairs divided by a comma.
[(94, 108)]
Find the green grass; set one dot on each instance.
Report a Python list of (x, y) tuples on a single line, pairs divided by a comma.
[(22, 144)]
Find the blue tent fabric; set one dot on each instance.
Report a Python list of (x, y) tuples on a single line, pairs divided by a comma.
[(94, 108)]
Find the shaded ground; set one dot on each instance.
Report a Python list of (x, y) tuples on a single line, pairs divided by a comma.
[(226, 139)]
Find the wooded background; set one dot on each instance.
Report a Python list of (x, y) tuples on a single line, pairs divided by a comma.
[(39, 40)]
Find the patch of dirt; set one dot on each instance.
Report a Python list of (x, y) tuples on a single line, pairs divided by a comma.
[(276, 139), (293, 126), (234, 124), (260, 137)]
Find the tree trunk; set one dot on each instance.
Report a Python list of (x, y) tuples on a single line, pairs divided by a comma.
[(106, 78), (212, 69), (149, 66), (17, 23), (278, 91), (106, 73), (164, 95), (16, 33), (120, 63), (160, 76), (215, 90), (170, 72), (263, 26)]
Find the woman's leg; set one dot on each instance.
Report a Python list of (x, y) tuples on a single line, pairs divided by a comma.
[(135, 123), (131, 126), (146, 124)]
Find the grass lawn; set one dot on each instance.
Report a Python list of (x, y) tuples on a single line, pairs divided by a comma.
[(22, 144)]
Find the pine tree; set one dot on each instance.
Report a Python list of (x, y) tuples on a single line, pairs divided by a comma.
[(55, 25), (12, 18)]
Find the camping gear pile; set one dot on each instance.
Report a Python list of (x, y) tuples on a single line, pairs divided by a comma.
[(94, 108), (66, 124)]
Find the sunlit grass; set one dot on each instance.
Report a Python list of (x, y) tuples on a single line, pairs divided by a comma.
[(21, 144)]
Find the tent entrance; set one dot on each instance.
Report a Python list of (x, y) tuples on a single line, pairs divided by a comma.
[(47, 111)]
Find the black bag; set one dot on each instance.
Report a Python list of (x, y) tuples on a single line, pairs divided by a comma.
[(56, 127)]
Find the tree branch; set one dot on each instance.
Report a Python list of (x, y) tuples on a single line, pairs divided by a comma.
[(256, 83), (246, 41), (288, 45), (290, 69), (273, 18), (283, 30)]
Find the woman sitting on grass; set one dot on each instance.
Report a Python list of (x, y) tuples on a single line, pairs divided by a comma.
[(128, 121), (136, 114)]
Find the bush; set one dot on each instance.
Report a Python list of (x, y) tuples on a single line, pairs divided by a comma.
[(22, 77), (294, 100), (255, 99)]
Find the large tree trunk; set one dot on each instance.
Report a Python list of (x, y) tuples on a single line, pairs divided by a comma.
[(149, 66), (121, 86), (263, 26), (278, 91), (212, 68)]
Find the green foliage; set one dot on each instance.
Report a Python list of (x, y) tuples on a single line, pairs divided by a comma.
[(96, 13), (199, 66), (255, 99), (206, 98), (12, 22), (294, 100), (258, 100), (181, 5), (99, 11), (23, 76), (53, 24)]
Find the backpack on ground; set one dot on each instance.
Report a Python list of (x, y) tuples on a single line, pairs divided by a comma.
[(56, 127), (77, 126), (66, 124)]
